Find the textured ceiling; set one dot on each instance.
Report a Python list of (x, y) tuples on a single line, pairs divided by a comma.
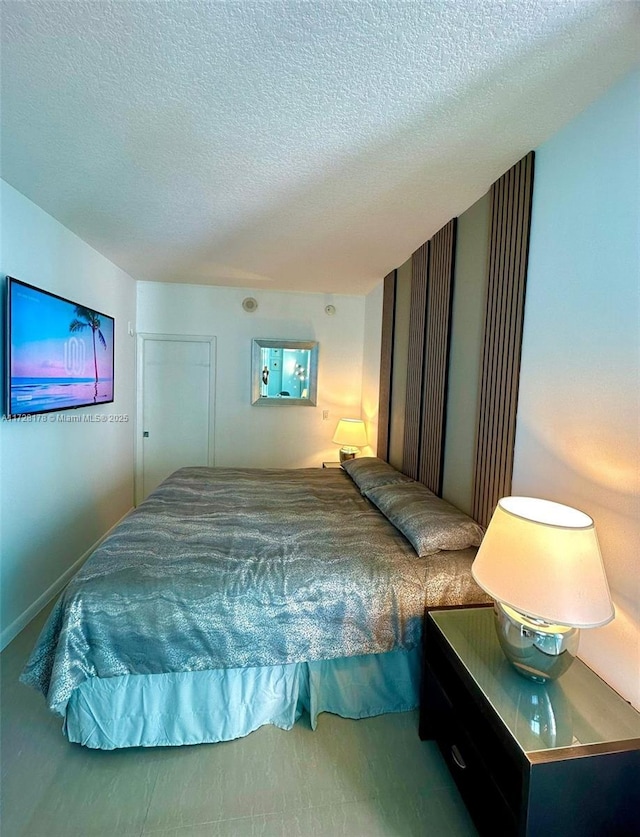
[(287, 145)]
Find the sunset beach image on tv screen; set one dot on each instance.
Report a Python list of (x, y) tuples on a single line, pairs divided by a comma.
[(61, 353)]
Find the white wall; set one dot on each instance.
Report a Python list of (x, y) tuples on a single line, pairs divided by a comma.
[(578, 416), (62, 485), (282, 436)]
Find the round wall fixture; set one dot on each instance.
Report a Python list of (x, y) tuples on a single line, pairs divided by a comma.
[(250, 304), (330, 310)]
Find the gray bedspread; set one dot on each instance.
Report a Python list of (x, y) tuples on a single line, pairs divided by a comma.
[(227, 568)]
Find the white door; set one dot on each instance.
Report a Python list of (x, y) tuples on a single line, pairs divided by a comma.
[(175, 411)]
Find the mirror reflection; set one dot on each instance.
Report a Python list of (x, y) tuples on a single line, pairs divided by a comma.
[(284, 372)]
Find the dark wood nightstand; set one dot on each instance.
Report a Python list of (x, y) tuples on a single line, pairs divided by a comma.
[(529, 759)]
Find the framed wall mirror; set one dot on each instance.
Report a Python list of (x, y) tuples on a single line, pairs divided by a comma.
[(284, 372)]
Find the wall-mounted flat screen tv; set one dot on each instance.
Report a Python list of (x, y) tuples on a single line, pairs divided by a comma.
[(60, 353)]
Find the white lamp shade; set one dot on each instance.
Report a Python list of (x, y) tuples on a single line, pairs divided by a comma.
[(543, 559), (350, 433)]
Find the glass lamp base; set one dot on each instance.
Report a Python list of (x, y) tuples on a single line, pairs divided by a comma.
[(537, 650), (347, 453)]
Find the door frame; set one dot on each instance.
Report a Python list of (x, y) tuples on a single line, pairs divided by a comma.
[(141, 338)]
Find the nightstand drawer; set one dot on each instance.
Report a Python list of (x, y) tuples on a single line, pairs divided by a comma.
[(474, 717), (473, 769), (477, 785)]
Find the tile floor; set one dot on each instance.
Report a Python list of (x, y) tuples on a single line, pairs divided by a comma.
[(370, 777)]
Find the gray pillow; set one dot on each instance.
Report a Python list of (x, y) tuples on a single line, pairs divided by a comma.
[(427, 521), (368, 472)]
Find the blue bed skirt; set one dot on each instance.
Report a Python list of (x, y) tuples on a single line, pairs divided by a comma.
[(200, 707)]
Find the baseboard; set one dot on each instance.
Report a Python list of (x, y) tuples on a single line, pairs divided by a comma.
[(12, 630)]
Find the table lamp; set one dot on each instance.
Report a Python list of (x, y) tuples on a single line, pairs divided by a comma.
[(352, 435), (541, 562)]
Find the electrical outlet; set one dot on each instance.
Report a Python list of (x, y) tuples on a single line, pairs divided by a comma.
[(325, 415)]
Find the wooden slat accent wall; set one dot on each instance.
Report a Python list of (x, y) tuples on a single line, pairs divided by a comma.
[(436, 356), (415, 361), (508, 255), (386, 364)]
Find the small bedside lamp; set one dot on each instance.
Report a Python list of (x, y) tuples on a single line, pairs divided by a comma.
[(352, 435), (542, 563)]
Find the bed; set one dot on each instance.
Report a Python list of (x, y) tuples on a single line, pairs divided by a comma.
[(233, 597)]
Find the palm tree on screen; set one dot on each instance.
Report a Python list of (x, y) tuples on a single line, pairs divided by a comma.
[(86, 318)]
